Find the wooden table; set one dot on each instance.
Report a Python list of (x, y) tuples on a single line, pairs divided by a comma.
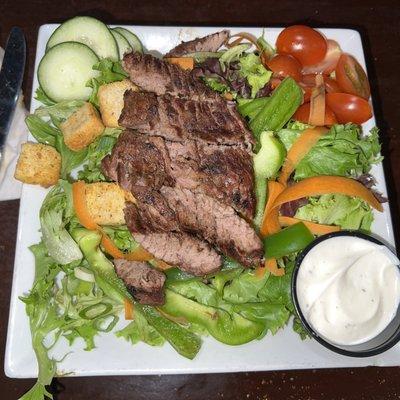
[(378, 23)]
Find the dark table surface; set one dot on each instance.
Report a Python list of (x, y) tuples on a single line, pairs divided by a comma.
[(378, 23)]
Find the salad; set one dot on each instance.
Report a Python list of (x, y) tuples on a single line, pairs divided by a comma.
[(303, 100)]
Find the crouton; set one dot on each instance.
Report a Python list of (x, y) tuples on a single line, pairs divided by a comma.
[(111, 101), (106, 202), (82, 127), (38, 164)]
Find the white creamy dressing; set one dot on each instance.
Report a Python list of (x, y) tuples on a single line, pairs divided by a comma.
[(348, 289)]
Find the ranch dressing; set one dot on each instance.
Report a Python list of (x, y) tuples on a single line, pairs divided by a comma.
[(348, 289)]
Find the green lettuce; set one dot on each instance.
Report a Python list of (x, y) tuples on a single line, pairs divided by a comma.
[(343, 151), (45, 133), (233, 54), (59, 112), (58, 309), (216, 84), (110, 71), (256, 74), (336, 209), (91, 171), (139, 330), (59, 243)]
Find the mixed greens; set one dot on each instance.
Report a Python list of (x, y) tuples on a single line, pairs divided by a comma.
[(76, 292)]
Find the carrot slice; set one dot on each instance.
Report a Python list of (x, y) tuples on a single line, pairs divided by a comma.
[(163, 265), (318, 185), (270, 223), (80, 206), (272, 267), (317, 102), (186, 63), (128, 306), (299, 150), (316, 229), (138, 254)]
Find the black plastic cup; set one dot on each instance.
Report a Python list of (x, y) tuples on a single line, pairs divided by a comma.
[(377, 345)]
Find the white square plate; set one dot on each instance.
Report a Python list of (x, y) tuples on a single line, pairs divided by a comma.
[(115, 356)]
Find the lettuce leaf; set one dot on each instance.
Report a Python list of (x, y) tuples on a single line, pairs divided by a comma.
[(91, 171), (336, 209), (140, 330), (110, 71), (45, 133), (59, 112), (256, 74), (343, 151), (59, 243)]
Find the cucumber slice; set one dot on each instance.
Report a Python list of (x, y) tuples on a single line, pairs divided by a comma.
[(65, 69), (133, 40), (89, 31), (123, 44)]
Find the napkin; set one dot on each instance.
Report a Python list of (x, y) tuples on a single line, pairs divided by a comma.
[(10, 188)]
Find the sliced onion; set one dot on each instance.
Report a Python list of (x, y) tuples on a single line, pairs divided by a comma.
[(328, 64), (317, 103), (240, 36), (84, 274)]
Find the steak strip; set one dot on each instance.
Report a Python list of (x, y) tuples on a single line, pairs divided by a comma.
[(224, 173), (209, 43), (180, 119), (159, 76), (143, 282), (175, 248)]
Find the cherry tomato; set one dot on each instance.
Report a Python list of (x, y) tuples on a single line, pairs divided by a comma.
[(349, 108), (351, 77), (303, 114), (302, 42), (328, 64), (331, 85), (284, 65)]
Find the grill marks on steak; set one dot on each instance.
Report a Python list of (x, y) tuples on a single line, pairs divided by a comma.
[(175, 248), (159, 76), (219, 224), (225, 173), (189, 167), (181, 119), (210, 43), (143, 282)]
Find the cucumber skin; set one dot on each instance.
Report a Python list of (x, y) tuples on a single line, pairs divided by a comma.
[(283, 103), (56, 47), (117, 37), (127, 34), (81, 18)]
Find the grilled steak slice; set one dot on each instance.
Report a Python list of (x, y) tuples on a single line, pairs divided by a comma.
[(160, 77), (180, 119), (225, 173), (217, 223), (207, 43), (175, 248), (143, 282), (138, 160), (153, 212)]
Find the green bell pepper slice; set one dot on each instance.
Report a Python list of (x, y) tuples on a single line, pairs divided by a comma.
[(287, 241)]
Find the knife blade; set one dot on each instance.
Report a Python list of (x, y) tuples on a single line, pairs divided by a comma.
[(11, 74)]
